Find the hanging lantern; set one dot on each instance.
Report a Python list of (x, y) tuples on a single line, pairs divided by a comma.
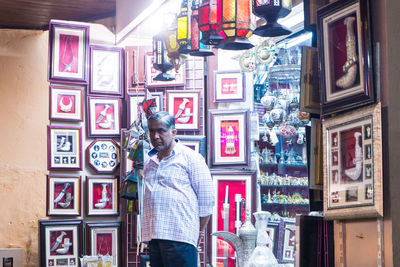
[(197, 48), (208, 22), (234, 24), (160, 60), (171, 43), (183, 28), (271, 10)]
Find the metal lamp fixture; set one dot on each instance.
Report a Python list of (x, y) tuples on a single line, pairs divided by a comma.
[(197, 47), (271, 10), (234, 24), (160, 59), (208, 22)]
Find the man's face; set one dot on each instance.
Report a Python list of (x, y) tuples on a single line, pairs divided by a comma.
[(161, 136)]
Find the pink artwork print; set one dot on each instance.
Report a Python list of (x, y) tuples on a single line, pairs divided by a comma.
[(68, 53), (104, 244), (183, 110), (230, 138), (102, 198), (227, 193), (229, 86), (66, 104), (61, 243), (104, 116), (351, 144)]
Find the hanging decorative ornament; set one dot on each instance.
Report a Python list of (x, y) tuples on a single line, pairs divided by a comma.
[(160, 61), (304, 117), (208, 22), (268, 121), (287, 132), (271, 10), (234, 24), (265, 53), (198, 49), (268, 100), (247, 62), (183, 28), (278, 114)]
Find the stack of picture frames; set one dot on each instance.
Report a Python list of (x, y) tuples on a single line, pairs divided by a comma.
[(83, 79), (350, 110), (229, 159)]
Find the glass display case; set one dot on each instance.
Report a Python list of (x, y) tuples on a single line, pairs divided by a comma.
[(282, 146)]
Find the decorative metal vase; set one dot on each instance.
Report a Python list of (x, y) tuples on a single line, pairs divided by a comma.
[(271, 11)]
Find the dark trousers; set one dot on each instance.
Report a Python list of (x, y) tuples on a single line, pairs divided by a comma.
[(167, 253)]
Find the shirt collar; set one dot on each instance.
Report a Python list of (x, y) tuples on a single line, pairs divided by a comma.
[(174, 151)]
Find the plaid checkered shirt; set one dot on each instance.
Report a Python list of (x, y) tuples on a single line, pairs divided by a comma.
[(177, 191)]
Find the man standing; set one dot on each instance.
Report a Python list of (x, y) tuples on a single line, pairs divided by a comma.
[(178, 196)]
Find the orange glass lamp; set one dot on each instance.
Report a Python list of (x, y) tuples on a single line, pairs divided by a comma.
[(160, 59), (183, 28), (234, 24), (197, 47), (271, 10), (208, 22)]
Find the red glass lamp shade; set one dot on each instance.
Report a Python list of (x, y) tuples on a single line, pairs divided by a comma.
[(160, 60), (234, 24), (197, 48), (271, 10), (208, 22)]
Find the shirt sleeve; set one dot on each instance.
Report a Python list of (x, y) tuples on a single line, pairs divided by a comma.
[(202, 185)]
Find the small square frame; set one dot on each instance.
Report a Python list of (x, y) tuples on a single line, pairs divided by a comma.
[(69, 232), (237, 182), (63, 195), (103, 112), (104, 238), (345, 55), (349, 191), (68, 53), (66, 103), (64, 148), (106, 71), (229, 86), (134, 101), (273, 232), (102, 196), (184, 105), (230, 139), (195, 142), (103, 155)]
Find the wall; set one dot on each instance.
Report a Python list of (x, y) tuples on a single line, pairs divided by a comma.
[(24, 117)]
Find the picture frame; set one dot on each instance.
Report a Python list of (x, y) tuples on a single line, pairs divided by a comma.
[(184, 105), (195, 142), (104, 116), (134, 102), (353, 164), (315, 162), (63, 195), (233, 187), (273, 228), (126, 165), (230, 139), (135, 69), (61, 242), (310, 100), (159, 96), (106, 71), (64, 148), (104, 238), (287, 243), (229, 86), (68, 53), (102, 196), (66, 102), (151, 73), (345, 54), (103, 155)]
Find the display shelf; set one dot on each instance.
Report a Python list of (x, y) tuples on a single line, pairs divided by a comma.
[(272, 165), (288, 204), (286, 186)]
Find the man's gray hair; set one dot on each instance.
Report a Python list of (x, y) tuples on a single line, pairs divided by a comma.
[(165, 117)]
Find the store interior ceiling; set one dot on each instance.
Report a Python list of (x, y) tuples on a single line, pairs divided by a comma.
[(36, 14)]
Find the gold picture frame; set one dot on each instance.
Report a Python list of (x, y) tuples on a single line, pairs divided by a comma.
[(353, 164)]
